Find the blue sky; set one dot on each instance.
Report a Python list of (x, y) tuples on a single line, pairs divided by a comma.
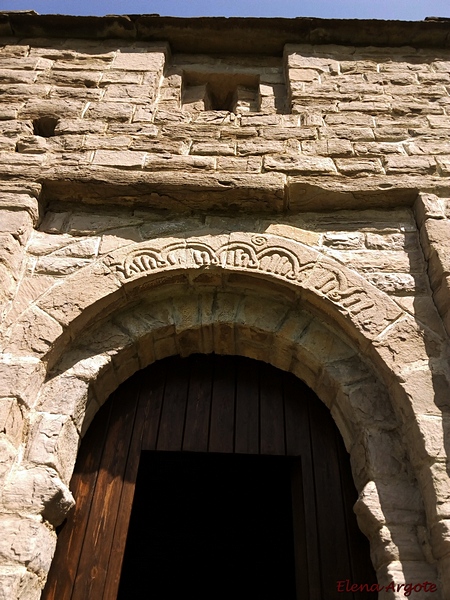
[(409, 10)]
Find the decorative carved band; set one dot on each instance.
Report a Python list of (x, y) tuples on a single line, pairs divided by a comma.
[(306, 268)]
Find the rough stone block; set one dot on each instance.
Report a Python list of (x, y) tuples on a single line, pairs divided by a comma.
[(141, 59), (248, 164), (348, 133), (27, 542), (296, 59), (65, 395), (19, 583), (211, 148), (20, 379), (79, 126), (8, 456), (388, 241), (33, 334), (344, 239), (60, 265), (166, 146), (129, 93), (33, 109), (407, 342), (17, 223), (410, 164), (443, 164), (246, 148), (398, 283), (288, 133), (437, 255), (11, 420), (438, 233), (392, 261), (177, 163), (110, 111), (38, 491), (428, 206), (120, 160), (53, 443), (441, 295), (299, 164), (355, 166), (10, 252)]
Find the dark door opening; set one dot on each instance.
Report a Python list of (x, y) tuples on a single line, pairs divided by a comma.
[(210, 526), (256, 423)]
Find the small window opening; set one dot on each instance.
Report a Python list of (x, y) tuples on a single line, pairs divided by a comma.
[(45, 126), (220, 91)]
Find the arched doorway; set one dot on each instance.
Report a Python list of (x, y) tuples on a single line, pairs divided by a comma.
[(227, 426)]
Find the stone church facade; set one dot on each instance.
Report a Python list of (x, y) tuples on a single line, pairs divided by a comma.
[(269, 188)]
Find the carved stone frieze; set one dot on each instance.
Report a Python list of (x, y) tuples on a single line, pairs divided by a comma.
[(274, 256)]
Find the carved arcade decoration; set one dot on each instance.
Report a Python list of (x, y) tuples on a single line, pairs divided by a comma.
[(270, 255)]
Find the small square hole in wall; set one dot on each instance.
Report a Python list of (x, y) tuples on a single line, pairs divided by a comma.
[(45, 126), (231, 92)]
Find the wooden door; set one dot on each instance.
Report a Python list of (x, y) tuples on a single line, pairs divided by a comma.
[(198, 410)]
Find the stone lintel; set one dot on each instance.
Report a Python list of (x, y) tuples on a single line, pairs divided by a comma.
[(255, 193)]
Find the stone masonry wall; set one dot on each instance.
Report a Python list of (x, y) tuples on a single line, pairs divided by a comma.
[(339, 153)]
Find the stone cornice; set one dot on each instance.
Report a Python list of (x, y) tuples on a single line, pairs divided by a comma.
[(230, 35)]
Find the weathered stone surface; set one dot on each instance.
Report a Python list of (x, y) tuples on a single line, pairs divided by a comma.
[(344, 240), (18, 582), (33, 334), (407, 164), (10, 252), (291, 164), (26, 541), (20, 378), (53, 443), (278, 226), (17, 223), (350, 166), (407, 342), (57, 265), (38, 491), (140, 59), (8, 456), (399, 283), (11, 420)]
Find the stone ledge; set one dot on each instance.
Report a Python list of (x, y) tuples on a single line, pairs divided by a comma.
[(246, 192), (230, 35)]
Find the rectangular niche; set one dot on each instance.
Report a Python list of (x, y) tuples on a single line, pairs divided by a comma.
[(232, 92)]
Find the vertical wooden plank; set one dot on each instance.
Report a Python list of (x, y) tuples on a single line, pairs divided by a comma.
[(170, 436), (247, 407), (334, 558), (70, 540), (153, 395), (298, 443), (272, 412), (222, 405), (129, 484), (94, 559), (198, 410)]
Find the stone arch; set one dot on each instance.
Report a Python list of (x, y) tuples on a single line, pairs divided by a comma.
[(237, 277), (71, 305)]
